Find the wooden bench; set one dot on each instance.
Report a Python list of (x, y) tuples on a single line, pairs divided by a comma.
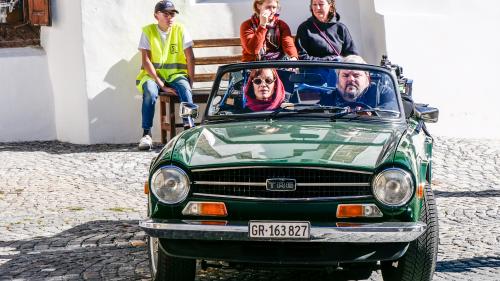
[(169, 99)]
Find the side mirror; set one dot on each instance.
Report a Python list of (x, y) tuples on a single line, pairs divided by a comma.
[(190, 112), (427, 114)]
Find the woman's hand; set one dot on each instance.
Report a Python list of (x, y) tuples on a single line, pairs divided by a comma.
[(264, 17)]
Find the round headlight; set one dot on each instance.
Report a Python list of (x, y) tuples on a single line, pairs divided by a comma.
[(170, 184), (393, 187)]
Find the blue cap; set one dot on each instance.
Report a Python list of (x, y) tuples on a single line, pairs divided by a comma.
[(165, 5)]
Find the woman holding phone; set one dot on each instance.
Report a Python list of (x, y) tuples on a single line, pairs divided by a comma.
[(265, 36)]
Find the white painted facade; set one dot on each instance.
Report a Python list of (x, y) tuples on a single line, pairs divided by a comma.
[(80, 86)]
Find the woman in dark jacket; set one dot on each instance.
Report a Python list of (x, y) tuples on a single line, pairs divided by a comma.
[(322, 36)]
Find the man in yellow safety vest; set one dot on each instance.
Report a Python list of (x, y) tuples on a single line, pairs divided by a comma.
[(167, 61)]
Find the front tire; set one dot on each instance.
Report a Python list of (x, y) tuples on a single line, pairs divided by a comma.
[(419, 262), (167, 268)]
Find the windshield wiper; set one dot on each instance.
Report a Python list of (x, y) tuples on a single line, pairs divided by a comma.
[(364, 110), (305, 108), (286, 108)]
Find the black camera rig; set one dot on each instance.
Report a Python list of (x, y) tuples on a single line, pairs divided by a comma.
[(405, 84)]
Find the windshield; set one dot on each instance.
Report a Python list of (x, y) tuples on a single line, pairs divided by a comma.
[(336, 92)]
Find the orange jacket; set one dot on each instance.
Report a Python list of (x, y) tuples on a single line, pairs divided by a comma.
[(252, 40)]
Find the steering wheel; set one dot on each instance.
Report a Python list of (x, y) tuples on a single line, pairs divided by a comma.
[(354, 104)]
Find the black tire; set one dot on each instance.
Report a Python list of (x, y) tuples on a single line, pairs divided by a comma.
[(166, 268), (419, 262)]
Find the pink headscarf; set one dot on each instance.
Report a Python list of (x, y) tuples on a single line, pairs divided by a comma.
[(259, 105)]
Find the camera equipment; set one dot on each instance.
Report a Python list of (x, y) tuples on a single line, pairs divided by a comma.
[(405, 84)]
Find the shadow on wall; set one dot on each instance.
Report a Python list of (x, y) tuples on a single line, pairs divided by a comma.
[(118, 104), (371, 33)]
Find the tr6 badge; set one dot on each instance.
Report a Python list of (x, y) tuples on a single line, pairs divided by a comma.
[(280, 184)]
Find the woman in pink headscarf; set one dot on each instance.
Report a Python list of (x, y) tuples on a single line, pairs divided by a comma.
[(264, 90)]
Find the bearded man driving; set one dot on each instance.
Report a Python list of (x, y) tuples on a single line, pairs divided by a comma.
[(356, 91)]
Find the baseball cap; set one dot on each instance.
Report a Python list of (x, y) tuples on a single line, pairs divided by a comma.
[(165, 5)]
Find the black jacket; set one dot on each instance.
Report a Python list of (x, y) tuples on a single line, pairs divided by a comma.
[(312, 46)]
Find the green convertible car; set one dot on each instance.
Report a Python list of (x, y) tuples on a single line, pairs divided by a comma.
[(297, 164)]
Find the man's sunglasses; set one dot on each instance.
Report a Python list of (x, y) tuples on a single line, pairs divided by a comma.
[(258, 81), (171, 14)]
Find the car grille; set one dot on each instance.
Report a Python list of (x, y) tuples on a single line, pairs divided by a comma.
[(311, 183)]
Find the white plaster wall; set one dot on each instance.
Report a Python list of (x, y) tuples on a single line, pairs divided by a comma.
[(369, 32), (66, 68), (111, 31), (26, 101), (423, 37), (451, 50), (92, 61)]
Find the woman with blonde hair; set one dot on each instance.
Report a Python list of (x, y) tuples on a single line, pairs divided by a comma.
[(265, 36)]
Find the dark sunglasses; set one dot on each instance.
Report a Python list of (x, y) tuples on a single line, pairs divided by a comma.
[(258, 81), (171, 14)]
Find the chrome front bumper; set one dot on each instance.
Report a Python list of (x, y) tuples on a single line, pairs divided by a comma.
[(386, 232)]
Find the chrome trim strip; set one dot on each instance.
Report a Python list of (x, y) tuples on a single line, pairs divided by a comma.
[(352, 184), (385, 232), (286, 167), (264, 184), (230, 183), (283, 199)]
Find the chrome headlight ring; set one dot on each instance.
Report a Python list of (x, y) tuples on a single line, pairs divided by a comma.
[(393, 187), (170, 184)]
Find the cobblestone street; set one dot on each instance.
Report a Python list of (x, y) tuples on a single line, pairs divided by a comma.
[(71, 212)]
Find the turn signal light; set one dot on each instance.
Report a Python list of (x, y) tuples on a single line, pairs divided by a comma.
[(215, 209), (146, 188), (349, 211), (420, 191), (358, 211)]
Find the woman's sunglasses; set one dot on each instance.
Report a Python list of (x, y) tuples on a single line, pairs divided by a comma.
[(258, 81)]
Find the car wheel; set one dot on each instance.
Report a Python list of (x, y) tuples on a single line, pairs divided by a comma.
[(419, 261), (166, 268)]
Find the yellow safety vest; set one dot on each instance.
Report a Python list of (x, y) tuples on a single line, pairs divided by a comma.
[(168, 57)]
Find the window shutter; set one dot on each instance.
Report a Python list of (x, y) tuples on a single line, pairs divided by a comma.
[(39, 12)]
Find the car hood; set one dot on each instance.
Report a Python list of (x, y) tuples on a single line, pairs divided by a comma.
[(358, 145)]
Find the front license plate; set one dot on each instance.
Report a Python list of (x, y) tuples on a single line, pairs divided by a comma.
[(279, 229)]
